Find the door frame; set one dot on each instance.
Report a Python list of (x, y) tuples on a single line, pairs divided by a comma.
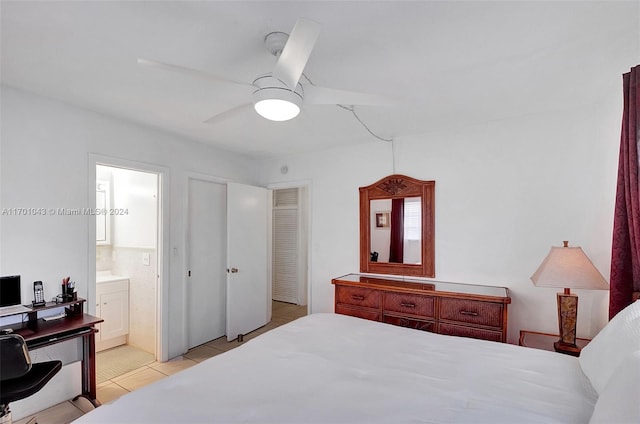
[(307, 184), (163, 249), (190, 175)]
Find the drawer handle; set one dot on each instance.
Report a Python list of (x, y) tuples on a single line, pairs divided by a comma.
[(357, 297), (473, 314), (408, 305)]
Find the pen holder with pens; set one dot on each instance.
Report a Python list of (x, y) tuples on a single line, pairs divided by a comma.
[(68, 290)]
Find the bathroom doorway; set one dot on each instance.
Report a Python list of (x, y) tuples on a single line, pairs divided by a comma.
[(128, 260)]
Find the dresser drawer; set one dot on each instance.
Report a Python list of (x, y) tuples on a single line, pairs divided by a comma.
[(475, 333), (438, 307), (409, 304), (472, 312), (358, 297), (369, 314), (410, 323)]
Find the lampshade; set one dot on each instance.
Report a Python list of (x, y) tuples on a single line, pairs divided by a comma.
[(277, 104), (568, 267)]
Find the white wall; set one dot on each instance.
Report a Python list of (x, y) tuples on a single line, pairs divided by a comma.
[(135, 195), (506, 191), (45, 147)]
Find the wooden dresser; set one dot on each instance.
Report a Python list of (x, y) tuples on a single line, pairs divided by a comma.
[(447, 308)]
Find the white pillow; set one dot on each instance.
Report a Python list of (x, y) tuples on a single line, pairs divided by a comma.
[(620, 400), (617, 340)]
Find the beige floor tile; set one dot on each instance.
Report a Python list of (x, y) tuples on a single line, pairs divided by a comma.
[(64, 412), (173, 366), (129, 374), (221, 344), (250, 336), (283, 311), (276, 306), (277, 322), (263, 330), (108, 391), (139, 379), (288, 311), (203, 352), (290, 316)]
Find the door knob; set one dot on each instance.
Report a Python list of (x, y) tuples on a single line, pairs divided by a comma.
[(234, 270)]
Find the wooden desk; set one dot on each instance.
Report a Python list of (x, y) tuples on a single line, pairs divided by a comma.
[(545, 341), (39, 333)]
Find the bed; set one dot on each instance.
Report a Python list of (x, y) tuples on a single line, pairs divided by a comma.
[(330, 368)]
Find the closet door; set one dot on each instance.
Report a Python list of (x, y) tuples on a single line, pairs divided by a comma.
[(206, 275), (285, 245)]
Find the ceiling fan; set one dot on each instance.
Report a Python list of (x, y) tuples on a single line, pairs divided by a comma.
[(278, 95)]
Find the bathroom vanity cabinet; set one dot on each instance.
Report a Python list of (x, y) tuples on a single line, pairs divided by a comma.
[(112, 305)]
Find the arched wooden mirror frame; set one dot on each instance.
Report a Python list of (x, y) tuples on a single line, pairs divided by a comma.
[(394, 187)]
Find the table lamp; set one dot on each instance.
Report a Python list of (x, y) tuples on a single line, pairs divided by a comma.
[(569, 268)]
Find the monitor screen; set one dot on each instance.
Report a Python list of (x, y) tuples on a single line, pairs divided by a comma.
[(10, 290)]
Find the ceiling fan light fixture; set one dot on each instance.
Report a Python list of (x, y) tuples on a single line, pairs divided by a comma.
[(277, 104)]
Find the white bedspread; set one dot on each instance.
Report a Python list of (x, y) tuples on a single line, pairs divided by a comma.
[(327, 368)]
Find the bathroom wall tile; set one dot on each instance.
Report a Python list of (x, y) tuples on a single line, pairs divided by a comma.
[(142, 294), (103, 258)]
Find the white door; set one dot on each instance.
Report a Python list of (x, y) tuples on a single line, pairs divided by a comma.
[(248, 296), (206, 280)]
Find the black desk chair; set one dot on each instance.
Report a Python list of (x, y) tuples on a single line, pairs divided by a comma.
[(19, 378)]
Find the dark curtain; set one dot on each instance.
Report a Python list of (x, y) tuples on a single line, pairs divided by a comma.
[(396, 250), (625, 252)]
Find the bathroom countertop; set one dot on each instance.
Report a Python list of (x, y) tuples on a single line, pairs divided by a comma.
[(107, 277)]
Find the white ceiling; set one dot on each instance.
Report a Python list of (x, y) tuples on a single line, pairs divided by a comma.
[(446, 62)]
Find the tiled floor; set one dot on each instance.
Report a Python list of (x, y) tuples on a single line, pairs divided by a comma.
[(66, 412)]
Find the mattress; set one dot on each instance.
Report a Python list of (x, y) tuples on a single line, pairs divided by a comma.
[(329, 368)]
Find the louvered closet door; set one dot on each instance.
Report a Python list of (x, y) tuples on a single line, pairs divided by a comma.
[(285, 247)]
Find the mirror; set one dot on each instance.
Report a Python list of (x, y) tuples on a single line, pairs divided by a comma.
[(103, 227), (397, 227)]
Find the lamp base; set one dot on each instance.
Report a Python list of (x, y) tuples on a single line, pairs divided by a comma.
[(567, 317), (566, 348)]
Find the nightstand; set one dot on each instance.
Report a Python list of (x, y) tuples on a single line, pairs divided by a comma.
[(545, 341)]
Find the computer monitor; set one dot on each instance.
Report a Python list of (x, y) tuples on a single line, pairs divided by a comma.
[(10, 294)]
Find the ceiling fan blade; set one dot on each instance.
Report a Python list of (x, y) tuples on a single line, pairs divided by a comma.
[(296, 52), (228, 113), (314, 94), (189, 71)]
